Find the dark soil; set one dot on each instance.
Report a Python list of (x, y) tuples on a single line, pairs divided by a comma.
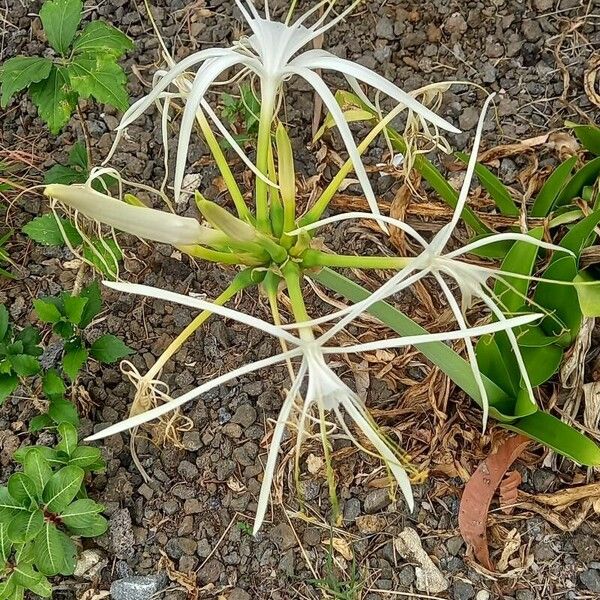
[(199, 503)]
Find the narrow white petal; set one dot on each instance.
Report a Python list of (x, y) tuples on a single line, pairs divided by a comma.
[(321, 59), (444, 336), (383, 449), (146, 223), (274, 446), (223, 311), (157, 412), (338, 116)]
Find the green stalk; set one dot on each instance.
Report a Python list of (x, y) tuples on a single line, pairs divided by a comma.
[(316, 258), (222, 164), (267, 107), (225, 258)]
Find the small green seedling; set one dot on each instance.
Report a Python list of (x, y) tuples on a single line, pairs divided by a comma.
[(4, 255), (18, 354), (84, 65), (60, 410), (242, 114), (69, 316)]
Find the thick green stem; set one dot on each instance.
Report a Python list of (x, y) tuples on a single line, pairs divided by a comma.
[(221, 257), (316, 258), (267, 107), (293, 277)]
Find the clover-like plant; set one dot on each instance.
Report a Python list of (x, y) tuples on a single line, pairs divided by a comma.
[(85, 64), (69, 315)]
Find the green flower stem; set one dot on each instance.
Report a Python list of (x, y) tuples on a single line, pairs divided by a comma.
[(267, 106), (225, 258), (316, 258), (292, 275)]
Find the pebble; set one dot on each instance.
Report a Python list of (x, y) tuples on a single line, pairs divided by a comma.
[(239, 594), (482, 595), (385, 29), (211, 571), (245, 415), (461, 590), (232, 430), (407, 575), (137, 588), (146, 491), (454, 544), (351, 509), (376, 500), (191, 441), (525, 595), (591, 580), (370, 523), (283, 536), (187, 470), (178, 547), (121, 535), (193, 506), (468, 118), (204, 548)]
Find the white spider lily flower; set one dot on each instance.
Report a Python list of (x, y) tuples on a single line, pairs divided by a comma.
[(271, 53), (146, 223), (324, 389), (436, 261)]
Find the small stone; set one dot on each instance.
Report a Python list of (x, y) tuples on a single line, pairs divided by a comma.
[(462, 590), (204, 548), (146, 491), (468, 118), (543, 5), (89, 564), (187, 470), (351, 509), (385, 29), (232, 430), (137, 588), (371, 523), (525, 595), (223, 415), (542, 478), (193, 506), (591, 580), (187, 526), (211, 571), (239, 594), (191, 441), (245, 415), (170, 507), (531, 30), (407, 575), (376, 500), (121, 535), (482, 595), (456, 24), (454, 544), (283, 536)]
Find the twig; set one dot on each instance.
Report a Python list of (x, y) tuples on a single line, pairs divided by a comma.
[(86, 135)]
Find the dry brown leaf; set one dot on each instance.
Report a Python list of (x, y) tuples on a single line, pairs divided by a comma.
[(511, 545), (314, 464)]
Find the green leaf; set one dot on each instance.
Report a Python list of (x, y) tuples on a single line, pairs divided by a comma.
[(62, 488), (3, 322), (60, 19), (87, 457), (74, 306), (587, 175), (63, 174), (54, 99), (78, 157), (23, 489), (66, 330), (20, 72), (560, 437), (26, 575), (24, 526), (541, 362), (68, 438), (30, 338), (93, 305), (37, 468), (589, 295), (494, 187), (82, 516), (52, 384), (10, 590), (73, 361), (99, 37), (45, 230), (109, 348), (8, 384), (588, 135), (24, 365), (5, 545), (92, 526), (105, 256), (42, 588), (54, 552), (47, 311), (494, 365), (580, 235), (552, 188), (101, 77), (63, 411), (40, 422)]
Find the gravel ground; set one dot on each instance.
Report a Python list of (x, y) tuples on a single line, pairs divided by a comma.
[(192, 517)]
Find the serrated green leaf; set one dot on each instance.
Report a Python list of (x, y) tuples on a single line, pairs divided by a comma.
[(37, 468), (47, 312), (40, 422), (65, 329), (8, 384), (109, 348), (60, 19), (93, 306), (74, 306), (30, 338), (52, 384), (86, 457), (54, 552), (101, 77), (73, 361), (78, 157), (63, 174), (45, 230), (54, 98), (24, 365), (100, 37), (20, 72), (62, 488), (24, 526), (3, 322), (68, 438), (63, 411), (23, 489)]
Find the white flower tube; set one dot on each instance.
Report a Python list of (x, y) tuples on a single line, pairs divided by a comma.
[(146, 223)]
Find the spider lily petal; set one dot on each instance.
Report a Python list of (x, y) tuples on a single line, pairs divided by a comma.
[(146, 223)]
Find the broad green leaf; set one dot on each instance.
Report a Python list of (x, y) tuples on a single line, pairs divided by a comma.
[(495, 366), (23, 489), (54, 99), (551, 189), (91, 526), (98, 37), (48, 453), (93, 305), (39, 422), (26, 575), (588, 135), (5, 545), (45, 230), (109, 348), (24, 526), (62, 411), (587, 175), (8, 384), (541, 362), (74, 307), (62, 488), (30, 338), (589, 295), (54, 552), (68, 438), (37, 468), (63, 174), (101, 77), (579, 236), (52, 384), (494, 187), (3, 321), (66, 331), (47, 311), (105, 256), (24, 365), (560, 437), (73, 361), (87, 457), (78, 157), (20, 72), (60, 19), (11, 590), (42, 588)]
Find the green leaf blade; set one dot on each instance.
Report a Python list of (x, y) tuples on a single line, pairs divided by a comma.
[(20, 72), (109, 348), (98, 36), (60, 19), (54, 99), (62, 488), (45, 230)]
